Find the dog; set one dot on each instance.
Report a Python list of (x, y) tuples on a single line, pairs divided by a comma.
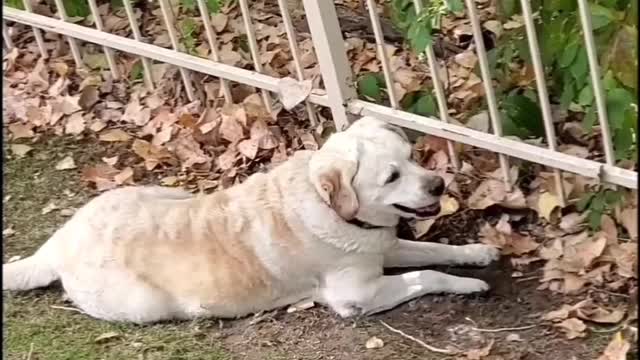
[(320, 226)]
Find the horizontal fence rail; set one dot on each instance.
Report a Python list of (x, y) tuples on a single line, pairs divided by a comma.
[(340, 95)]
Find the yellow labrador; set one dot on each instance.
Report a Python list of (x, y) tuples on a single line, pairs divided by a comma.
[(321, 226)]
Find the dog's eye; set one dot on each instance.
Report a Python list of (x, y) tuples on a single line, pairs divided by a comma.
[(393, 177)]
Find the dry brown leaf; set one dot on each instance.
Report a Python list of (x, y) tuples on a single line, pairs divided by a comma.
[(478, 354), (626, 259), (101, 175), (548, 203), (111, 161), (629, 219), (609, 228), (592, 312), (89, 96), (228, 159), (572, 223), (374, 343), (66, 164), (230, 129), (70, 104), (114, 135), (20, 150), (151, 154), (573, 328), (493, 192), (580, 256), (188, 151), (616, 349), (124, 177), (248, 148), (19, 130), (554, 251), (292, 92), (448, 206), (75, 124)]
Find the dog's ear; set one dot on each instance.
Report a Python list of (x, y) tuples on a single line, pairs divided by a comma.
[(332, 177)]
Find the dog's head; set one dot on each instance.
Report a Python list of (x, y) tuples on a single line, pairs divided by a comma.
[(366, 172)]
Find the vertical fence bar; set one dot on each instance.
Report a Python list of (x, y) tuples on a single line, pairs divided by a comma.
[(137, 36), (543, 94), (437, 86), (211, 37), (332, 58), (73, 43), (253, 48), (108, 52), (594, 69), (37, 33), (8, 43), (169, 23), (382, 53), (488, 86), (295, 53)]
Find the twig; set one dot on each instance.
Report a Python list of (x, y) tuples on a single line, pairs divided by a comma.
[(30, 352), (610, 293), (448, 351), (523, 279), (505, 329), (67, 309)]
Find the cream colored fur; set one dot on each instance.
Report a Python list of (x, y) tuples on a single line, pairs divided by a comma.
[(145, 254)]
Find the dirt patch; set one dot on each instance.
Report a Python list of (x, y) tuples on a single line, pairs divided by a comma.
[(37, 322)]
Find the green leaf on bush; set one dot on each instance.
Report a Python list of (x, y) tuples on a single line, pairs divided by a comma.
[(420, 35), (524, 113), (580, 67), (600, 16), (76, 8), (584, 201), (568, 55), (585, 97), (618, 101), (589, 119), (369, 87), (425, 106), (16, 4), (454, 5)]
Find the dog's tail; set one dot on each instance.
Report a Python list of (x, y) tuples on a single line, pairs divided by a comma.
[(32, 272)]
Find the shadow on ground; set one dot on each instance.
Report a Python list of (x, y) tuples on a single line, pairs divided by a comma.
[(40, 325)]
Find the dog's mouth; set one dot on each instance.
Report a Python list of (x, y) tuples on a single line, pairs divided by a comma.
[(421, 212)]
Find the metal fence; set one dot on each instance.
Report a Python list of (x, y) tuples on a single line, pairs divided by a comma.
[(339, 92)]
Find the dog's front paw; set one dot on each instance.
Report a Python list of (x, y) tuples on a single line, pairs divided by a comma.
[(470, 285), (481, 254)]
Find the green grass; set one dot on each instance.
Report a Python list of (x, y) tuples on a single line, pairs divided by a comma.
[(31, 324)]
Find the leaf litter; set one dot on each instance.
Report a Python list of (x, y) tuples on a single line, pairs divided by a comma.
[(220, 145)]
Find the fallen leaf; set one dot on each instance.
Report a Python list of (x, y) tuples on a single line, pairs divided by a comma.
[(112, 161), (626, 259), (292, 92), (493, 192), (547, 204), (374, 343), (114, 135), (248, 148), (301, 305), (572, 223), (629, 219), (577, 257), (573, 328), (230, 129), (152, 155), (513, 338), (89, 96), (478, 354), (616, 349), (66, 164), (75, 124), (8, 231), (19, 130), (49, 208), (106, 336), (20, 150), (598, 314), (448, 206), (125, 176)]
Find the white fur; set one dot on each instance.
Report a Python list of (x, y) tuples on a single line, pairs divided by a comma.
[(145, 254)]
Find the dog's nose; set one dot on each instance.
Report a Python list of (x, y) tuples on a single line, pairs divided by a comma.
[(435, 186)]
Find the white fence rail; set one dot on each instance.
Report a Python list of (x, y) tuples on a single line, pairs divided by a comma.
[(339, 93)]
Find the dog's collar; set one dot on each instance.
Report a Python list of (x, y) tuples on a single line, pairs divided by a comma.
[(364, 225)]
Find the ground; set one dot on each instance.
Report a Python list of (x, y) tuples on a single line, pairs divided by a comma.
[(41, 325)]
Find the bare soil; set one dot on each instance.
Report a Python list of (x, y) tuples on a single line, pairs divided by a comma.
[(39, 325)]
